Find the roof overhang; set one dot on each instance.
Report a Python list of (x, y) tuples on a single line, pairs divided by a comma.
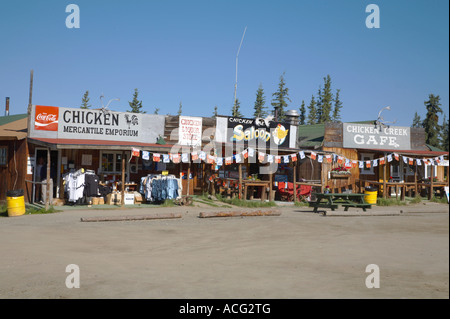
[(57, 144)]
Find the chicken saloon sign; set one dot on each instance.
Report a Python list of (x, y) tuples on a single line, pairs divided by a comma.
[(257, 132)]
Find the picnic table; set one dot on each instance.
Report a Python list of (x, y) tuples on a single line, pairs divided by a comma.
[(333, 200)]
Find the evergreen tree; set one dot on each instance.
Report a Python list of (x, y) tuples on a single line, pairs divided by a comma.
[(156, 111), (135, 104), (215, 112), (312, 115), (280, 99), (431, 122), (302, 118), (325, 101), (260, 109), (180, 109), (444, 135), (337, 107), (416, 120), (85, 101), (235, 111), (318, 106)]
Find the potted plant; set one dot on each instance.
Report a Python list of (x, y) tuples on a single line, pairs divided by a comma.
[(340, 172)]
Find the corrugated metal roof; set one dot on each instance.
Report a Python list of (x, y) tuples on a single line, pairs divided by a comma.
[(14, 127)]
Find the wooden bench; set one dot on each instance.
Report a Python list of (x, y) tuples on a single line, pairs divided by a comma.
[(363, 206), (323, 205)]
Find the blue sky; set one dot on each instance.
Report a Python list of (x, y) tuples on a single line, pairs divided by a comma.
[(185, 51)]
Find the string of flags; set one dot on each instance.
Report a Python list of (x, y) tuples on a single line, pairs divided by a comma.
[(197, 156)]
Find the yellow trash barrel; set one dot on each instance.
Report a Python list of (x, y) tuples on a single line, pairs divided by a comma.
[(371, 195), (15, 203)]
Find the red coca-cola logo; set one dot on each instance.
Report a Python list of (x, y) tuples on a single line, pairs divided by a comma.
[(46, 118)]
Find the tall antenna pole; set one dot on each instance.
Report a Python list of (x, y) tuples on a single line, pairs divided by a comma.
[(237, 56)]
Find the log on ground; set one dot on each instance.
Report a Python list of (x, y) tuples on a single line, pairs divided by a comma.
[(131, 218), (238, 214)]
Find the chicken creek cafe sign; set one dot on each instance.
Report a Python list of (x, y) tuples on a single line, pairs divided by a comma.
[(69, 123), (375, 137), (257, 132)]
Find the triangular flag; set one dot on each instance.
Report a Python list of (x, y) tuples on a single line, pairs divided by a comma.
[(251, 152), (286, 159), (320, 159), (228, 160), (368, 164), (238, 158), (375, 162), (270, 158), (166, 158), (329, 159), (396, 157), (294, 157), (302, 154), (156, 157), (245, 154), (389, 158), (185, 157), (194, 156), (361, 164), (418, 161), (313, 155), (277, 159), (354, 164)]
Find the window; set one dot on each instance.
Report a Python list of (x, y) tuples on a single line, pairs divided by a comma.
[(111, 162), (428, 171), (3, 156), (367, 157)]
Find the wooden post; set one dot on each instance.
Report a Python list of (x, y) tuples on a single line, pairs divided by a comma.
[(187, 178), (30, 97), (47, 186), (240, 180), (295, 181), (123, 179), (270, 187), (384, 177), (430, 194), (203, 177), (415, 182)]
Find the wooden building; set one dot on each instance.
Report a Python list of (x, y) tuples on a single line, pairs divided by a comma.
[(395, 160)]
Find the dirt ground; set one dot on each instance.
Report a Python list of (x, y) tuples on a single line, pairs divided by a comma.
[(298, 254)]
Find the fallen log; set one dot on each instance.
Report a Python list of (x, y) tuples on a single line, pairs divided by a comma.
[(131, 218), (238, 214)]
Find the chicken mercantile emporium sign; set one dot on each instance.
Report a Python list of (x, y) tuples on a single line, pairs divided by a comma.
[(371, 136), (257, 132), (86, 124)]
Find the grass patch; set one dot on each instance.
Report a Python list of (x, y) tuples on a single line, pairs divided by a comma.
[(29, 210), (245, 203), (442, 200), (301, 204), (390, 202), (416, 200), (168, 203)]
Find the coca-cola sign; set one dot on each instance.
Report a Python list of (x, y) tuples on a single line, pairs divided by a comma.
[(46, 118)]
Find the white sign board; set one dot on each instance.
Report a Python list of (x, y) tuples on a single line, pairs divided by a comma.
[(375, 137), (190, 131)]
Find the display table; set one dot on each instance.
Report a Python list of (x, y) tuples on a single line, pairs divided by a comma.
[(252, 185)]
